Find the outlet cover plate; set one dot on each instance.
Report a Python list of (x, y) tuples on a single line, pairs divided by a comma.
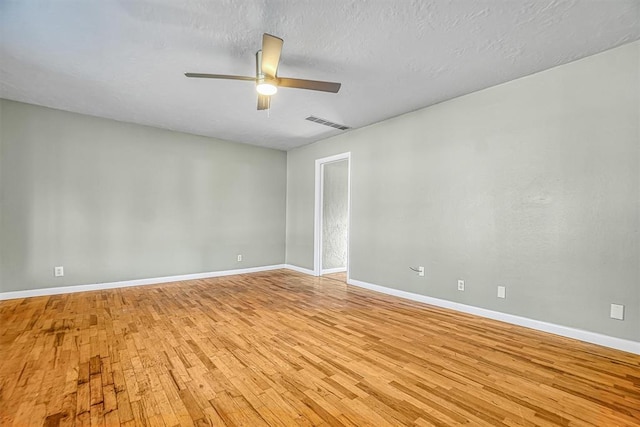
[(617, 311), (58, 271), (461, 285), (502, 292)]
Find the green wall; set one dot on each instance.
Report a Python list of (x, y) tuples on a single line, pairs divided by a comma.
[(113, 201), (533, 185)]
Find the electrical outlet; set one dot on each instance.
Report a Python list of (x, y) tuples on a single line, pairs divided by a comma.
[(502, 292), (461, 285), (617, 311), (239, 257), (421, 271), (58, 271)]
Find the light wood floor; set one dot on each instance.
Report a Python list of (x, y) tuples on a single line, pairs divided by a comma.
[(341, 277), (281, 348)]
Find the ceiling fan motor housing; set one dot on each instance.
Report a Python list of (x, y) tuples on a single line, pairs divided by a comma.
[(264, 85)]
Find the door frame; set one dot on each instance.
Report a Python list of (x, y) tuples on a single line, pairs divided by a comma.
[(319, 193)]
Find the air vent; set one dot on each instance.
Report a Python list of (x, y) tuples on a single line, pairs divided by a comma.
[(327, 123)]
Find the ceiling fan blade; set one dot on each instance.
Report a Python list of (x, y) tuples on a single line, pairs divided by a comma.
[(309, 84), (264, 102), (219, 76), (271, 49)]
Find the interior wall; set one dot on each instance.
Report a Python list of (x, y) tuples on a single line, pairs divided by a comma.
[(113, 201), (335, 217), (533, 185)]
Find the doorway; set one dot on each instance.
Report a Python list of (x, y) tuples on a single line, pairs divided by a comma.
[(332, 216)]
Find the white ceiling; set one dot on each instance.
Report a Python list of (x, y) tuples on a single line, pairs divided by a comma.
[(125, 59)]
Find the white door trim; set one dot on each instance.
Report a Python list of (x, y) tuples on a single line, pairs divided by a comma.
[(319, 187)]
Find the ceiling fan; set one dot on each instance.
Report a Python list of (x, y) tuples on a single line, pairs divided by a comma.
[(266, 79)]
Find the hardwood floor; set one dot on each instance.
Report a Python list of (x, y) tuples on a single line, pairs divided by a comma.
[(281, 348), (340, 277)]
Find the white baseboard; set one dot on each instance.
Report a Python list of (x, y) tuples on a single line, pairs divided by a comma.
[(334, 270), (127, 283), (565, 331), (300, 269)]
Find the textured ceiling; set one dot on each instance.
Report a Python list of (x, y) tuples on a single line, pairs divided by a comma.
[(125, 59)]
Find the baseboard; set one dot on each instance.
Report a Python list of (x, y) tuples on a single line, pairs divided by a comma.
[(334, 270), (565, 331), (127, 283), (300, 269)]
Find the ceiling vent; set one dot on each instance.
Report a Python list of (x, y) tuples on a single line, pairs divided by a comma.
[(327, 123)]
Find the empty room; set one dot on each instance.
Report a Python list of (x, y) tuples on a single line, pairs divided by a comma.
[(319, 213)]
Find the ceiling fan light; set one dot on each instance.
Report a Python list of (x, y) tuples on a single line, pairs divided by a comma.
[(265, 88)]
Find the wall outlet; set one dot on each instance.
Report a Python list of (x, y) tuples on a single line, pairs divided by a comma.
[(58, 271), (617, 311), (421, 271), (502, 292), (239, 257), (461, 285)]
